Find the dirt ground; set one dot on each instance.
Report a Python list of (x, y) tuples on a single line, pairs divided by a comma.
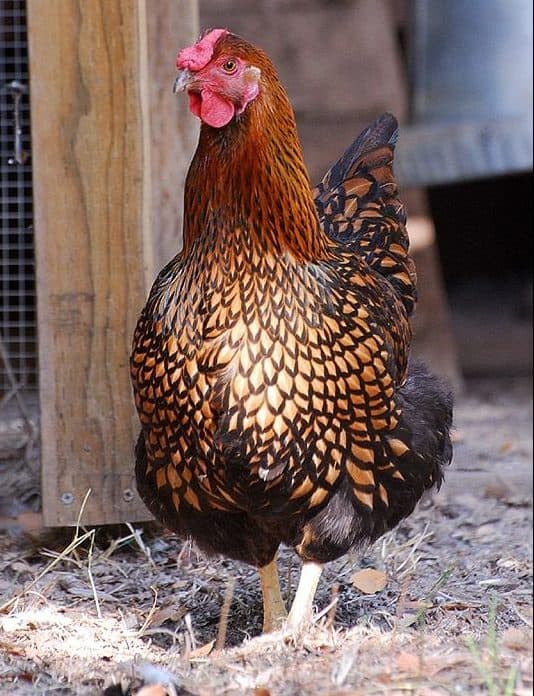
[(125, 607)]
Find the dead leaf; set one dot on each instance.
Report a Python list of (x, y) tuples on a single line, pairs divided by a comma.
[(369, 580), (153, 690), (435, 665), (485, 532), (408, 662), (168, 613), (516, 639), (10, 649), (21, 567), (203, 651), (497, 490), (130, 620)]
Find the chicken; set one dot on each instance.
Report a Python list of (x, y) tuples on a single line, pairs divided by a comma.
[(270, 363)]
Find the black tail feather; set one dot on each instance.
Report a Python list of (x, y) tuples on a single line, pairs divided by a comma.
[(383, 131), (358, 207)]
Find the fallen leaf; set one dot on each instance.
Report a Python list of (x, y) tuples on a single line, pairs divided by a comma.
[(21, 567), (497, 490), (10, 649), (516, 639), (407, 620), (203, 651), (153, 690), (130, 620), (369, 580), (485, 532), (435, 665), (408, 662), (168, 613)]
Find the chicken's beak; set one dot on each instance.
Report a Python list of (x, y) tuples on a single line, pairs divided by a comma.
[(183, 80)]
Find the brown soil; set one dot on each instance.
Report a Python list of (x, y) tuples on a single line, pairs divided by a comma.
[(455, 616)]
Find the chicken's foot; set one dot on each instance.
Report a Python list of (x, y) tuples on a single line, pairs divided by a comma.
[(274, 610), (301, 610)]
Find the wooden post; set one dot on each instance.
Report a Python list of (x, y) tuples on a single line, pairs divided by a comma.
[(93, 196), (174, 131)]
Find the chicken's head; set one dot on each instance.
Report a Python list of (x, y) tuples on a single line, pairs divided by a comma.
[(219, 77)]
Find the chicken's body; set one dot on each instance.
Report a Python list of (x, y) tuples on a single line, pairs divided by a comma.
[(270, 362)]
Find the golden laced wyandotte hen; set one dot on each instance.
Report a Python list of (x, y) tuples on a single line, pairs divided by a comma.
[(270, 363)]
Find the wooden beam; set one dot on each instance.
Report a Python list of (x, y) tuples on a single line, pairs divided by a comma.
[(174, 131), (93, 196)]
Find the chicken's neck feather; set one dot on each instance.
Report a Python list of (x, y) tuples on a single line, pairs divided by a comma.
[(249, 178)]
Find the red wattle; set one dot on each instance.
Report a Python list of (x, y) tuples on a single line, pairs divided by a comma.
[(214, 110)]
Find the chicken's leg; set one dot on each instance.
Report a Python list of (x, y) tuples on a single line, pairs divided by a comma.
[(274, 610), (301, 609)]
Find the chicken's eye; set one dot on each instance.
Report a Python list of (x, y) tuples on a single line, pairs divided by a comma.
[(230, 66)]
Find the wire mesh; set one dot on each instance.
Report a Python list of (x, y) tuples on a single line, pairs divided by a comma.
[(18, 326), (19, 415)]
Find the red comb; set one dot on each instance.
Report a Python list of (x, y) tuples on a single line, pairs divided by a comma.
[(199, 55)]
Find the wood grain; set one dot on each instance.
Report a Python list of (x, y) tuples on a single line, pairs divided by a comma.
[(93, 196)]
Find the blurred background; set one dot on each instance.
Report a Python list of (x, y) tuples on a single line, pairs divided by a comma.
[(456, 73)]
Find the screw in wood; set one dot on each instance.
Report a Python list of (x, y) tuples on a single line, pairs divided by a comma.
[(67, 498)]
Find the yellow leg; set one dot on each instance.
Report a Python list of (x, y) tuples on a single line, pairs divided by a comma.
[(301, 610), (274, 610)]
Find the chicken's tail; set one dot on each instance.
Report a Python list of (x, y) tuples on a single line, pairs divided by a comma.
[(358, 206)]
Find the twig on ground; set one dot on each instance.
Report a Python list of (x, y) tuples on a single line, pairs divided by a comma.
[(150, 614), (329, 607), (189, 627), (136, 534), (90, 574), (225, 612), (415, 544), (330, 619)]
